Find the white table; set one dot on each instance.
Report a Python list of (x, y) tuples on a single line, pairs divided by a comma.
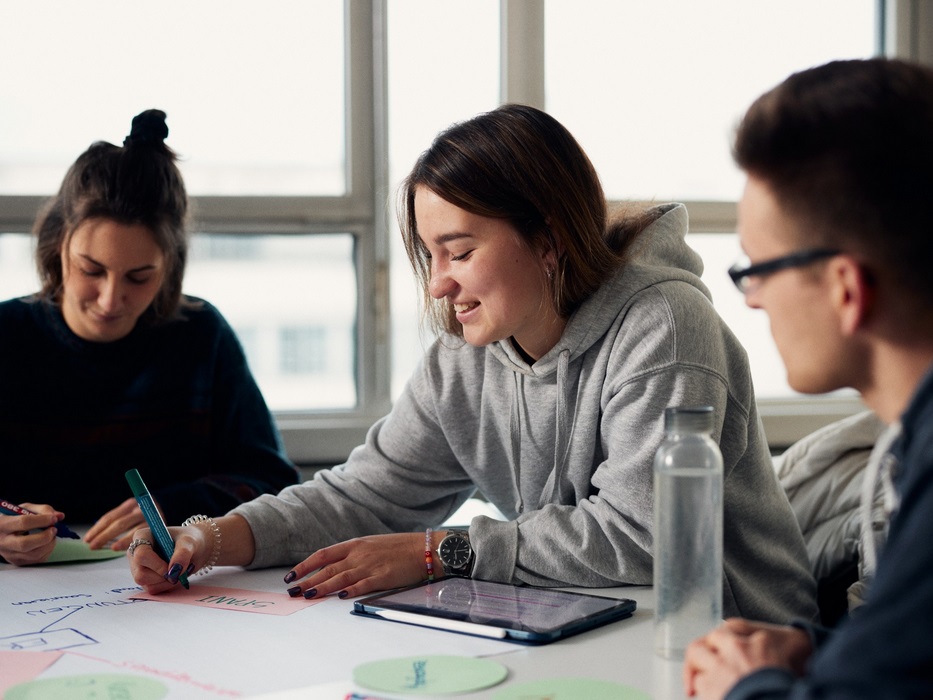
[(84, 610)]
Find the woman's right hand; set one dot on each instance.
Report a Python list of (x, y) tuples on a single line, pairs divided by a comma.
[(194, 548), (29, 539), (152, 572)]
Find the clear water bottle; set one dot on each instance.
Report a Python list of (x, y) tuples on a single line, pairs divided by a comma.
[(687, 530)]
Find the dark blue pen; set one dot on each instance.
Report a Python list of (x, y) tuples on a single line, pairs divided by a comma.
[(61, 529), (164, 544)]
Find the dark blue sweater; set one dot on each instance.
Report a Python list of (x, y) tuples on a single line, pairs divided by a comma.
[(886, 649), (176, 401)]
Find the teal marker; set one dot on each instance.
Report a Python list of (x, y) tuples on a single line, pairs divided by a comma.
[(164, 544)]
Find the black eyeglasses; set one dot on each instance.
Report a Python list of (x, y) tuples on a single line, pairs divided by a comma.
[(743, 270)]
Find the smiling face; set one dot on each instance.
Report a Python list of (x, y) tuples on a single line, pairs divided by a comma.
[(111, 273), (495, 283)]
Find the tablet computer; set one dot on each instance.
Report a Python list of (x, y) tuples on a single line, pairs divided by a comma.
[(523, 614)]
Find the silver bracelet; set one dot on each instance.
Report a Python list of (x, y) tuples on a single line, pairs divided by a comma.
[(215, 533)]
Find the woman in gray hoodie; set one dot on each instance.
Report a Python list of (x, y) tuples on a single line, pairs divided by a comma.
[(562, 338)]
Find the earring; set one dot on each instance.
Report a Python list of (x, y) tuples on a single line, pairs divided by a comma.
[(550, 273)]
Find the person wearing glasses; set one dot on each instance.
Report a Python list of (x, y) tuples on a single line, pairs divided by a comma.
[(110, 367), (836, 222), (562, 337)]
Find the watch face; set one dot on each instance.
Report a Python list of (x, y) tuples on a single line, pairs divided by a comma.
[(455, 552)]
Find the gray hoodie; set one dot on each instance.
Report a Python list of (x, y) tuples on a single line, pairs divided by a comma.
[(564, 448)]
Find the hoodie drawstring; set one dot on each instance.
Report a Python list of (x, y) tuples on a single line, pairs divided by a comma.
[(515, 431), (562, 431), (564, 417)]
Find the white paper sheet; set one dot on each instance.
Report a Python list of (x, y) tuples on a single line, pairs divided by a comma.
[(86, 611)]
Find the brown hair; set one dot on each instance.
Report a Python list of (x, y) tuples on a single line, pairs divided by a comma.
[(519, 164), (848, 147), (138, 183)]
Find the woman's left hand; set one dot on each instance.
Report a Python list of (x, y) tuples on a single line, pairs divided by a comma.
[(116, 525), (361, 565)]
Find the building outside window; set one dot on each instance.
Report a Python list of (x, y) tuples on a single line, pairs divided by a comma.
[(303, 350)]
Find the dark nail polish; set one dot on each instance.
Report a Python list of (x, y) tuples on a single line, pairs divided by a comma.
[(290, 576), (342, 594), (311, 592), (189, 570), (173, 573), (294, 591)]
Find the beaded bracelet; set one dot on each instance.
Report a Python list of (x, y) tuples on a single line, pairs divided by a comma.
[(215, 533), (428, 556)]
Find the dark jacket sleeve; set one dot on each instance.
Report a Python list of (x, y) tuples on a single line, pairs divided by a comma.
[(884, 649)]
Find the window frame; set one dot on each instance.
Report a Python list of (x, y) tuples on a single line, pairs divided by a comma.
[(327, 437)]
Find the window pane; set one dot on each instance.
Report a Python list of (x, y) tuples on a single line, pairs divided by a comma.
[(18, 275), (292, 301), (719, 251), (443, 68), (657, 91), (254, 93)]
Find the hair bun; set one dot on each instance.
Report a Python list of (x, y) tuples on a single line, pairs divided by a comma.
[(148, 127)]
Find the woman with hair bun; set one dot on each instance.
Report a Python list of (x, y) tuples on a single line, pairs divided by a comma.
[(110, 367)]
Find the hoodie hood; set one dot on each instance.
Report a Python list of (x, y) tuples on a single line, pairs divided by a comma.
[(660, 254)]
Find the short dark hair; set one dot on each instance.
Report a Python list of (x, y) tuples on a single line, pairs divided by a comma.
[(848, 147), (138, 183), (519, 164)]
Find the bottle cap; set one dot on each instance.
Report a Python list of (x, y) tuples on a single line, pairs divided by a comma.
[(693, 419)]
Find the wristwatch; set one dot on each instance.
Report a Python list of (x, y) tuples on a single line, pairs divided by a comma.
[(456, 554)]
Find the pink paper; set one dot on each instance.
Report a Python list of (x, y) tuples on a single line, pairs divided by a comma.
[(21, 666), (238, 599)]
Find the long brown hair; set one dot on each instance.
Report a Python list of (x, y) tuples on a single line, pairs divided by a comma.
[(519, 164)]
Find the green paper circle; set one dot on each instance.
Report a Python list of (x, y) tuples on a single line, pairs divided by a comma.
[(96, 686), (423, 675), (570, 689)]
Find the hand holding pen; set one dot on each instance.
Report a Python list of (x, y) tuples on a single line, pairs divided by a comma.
[(159, 539), (28, 533), (150, 570)]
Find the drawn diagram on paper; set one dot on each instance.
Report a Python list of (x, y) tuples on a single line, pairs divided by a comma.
[(51, 636)]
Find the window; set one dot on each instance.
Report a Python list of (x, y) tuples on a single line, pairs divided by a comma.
[(254, 104), (17, 266), (661, 85), (296, 121), (467, 58), (292, 300), (271, 110)]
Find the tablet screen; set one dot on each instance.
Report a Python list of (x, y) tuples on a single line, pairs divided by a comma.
[(537, 612)]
